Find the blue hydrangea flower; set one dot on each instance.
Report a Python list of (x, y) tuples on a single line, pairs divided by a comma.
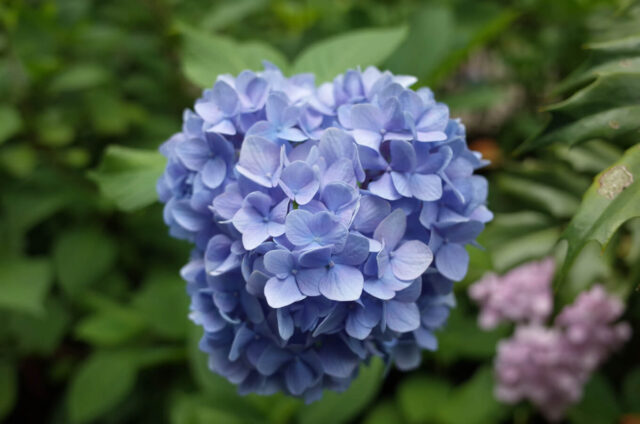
[(329, 224)]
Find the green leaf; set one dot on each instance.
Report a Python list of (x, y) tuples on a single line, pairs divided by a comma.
[(206, 56), (618, 66), (229, 13), (165, 304), (611, 125), (605, 206), (524, 247), (128, 176), (79, 77), (420, 398), (417, 56), (599, 404), (81, 257), (473, 402), (110, 327), (630, 390), (555, 201), (628, 44), (195, 409), (339, 408), (384, 413), (10, 122), (365, 47), (607, 92), (19, 160), (462, 338), (24, 284), (41, 334), (8, 387), (99, 384)]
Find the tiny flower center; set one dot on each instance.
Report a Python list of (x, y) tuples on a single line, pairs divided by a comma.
[(265, 219), (294, 271), (331, 264), (383, 131)]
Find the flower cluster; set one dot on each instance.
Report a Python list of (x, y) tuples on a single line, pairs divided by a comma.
[(521, 295), (329, 224), (549, 366)]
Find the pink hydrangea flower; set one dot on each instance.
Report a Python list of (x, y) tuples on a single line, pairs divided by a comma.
[(521, 295), (549, 366)]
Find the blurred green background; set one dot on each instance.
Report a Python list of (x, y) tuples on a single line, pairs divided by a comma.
[(93, 314)]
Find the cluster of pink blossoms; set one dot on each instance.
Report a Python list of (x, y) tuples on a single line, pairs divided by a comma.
[(547, 365), (521, 295)]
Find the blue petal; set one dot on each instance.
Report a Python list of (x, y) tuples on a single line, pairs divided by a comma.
[(366, 117), (371, 212), (337, 360), (355, 251), (214, 172), (280, 293), (297, 227), (260, 161), (225, 97), (403, 157), (410, 260), (193, 153), (407, 356), (285, 324), (272, 359), (452, 260), (279, 262), (242, 338), (342, 283), (384, 187), (391, 229), (401, 317), (316, 258), (425, 187), (299, 377)]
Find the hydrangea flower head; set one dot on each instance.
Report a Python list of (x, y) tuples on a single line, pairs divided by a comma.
[(549, 366), (522, 295), (329, 224)]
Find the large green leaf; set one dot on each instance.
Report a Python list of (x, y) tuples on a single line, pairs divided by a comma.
[(607, 108), (461, 338), (420, 398), (205, 56), (605, 206), (364, 47), (611, 124), (473, 402), (610, 91), (599, 404), (81, 257), (631, 388), (41, 334), (10, 122), (110, 327), (164, 303), (24, 284), (553, 200), (339, 408), (8, 387), (128, 176), (630, 43), (101, 382), (624, 65)]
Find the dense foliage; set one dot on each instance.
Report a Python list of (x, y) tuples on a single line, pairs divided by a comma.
[(94, 312)]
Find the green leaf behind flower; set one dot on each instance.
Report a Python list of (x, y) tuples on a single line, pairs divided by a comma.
[(128, 176), (363, 48), (612, 199)]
